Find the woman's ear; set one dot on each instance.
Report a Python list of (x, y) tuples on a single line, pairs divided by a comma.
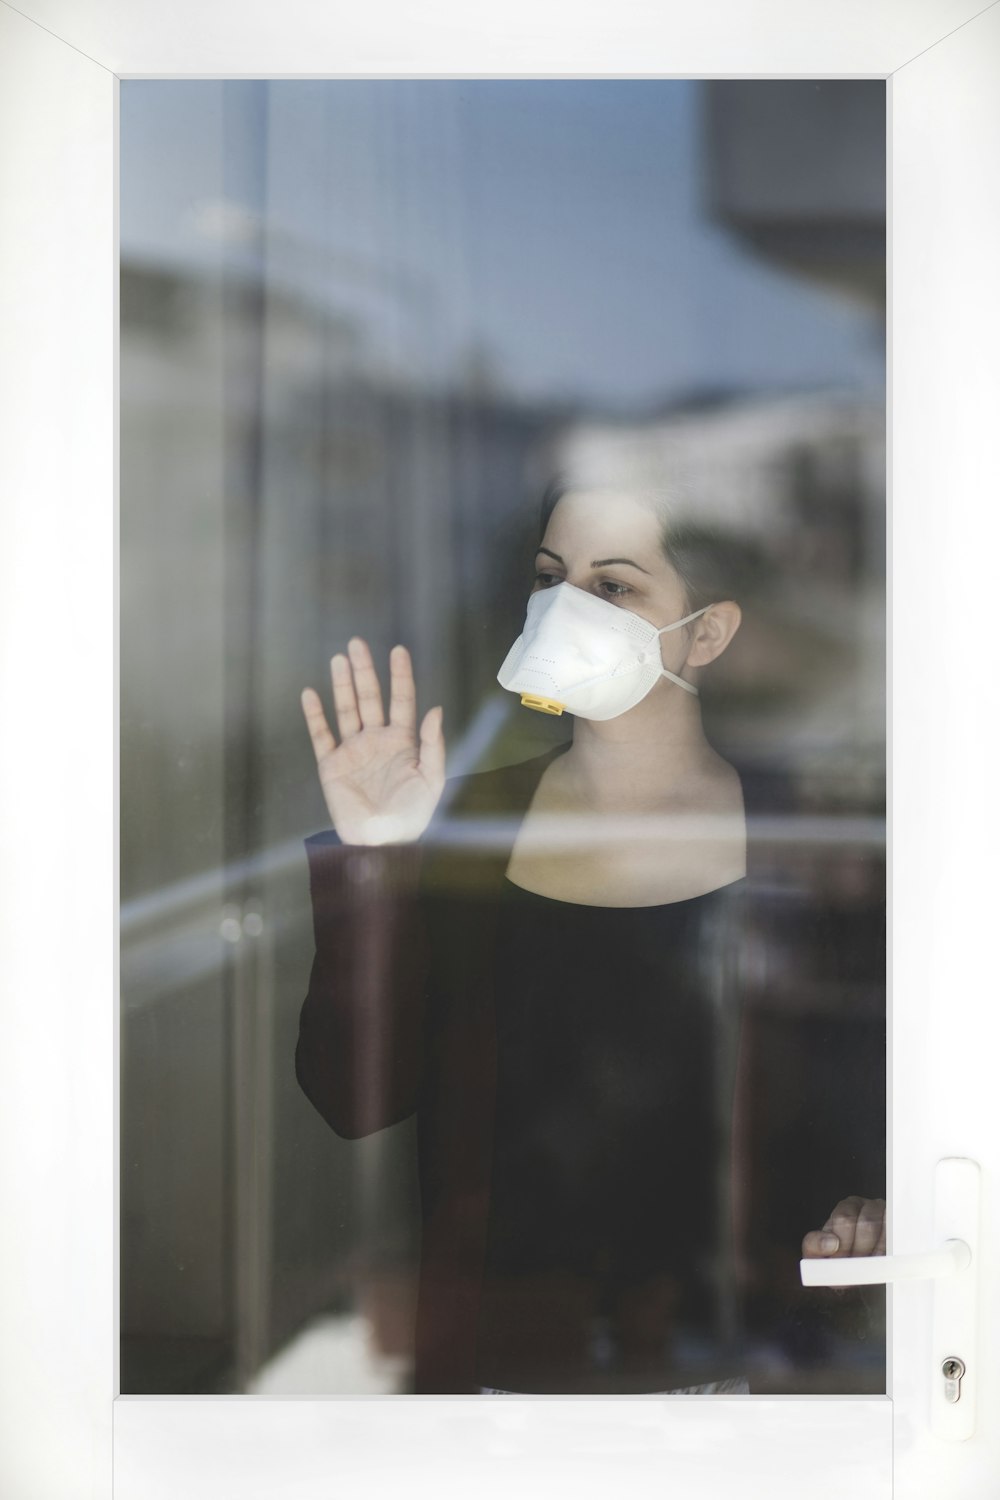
[(713, 632)]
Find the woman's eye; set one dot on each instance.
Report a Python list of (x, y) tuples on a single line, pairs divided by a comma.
[(613, 590)]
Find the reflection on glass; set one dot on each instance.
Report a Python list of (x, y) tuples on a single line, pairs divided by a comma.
[(593, 953)]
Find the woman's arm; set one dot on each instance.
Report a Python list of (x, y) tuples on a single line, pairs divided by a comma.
[(359, 1056)]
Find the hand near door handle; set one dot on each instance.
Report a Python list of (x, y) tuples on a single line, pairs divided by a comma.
[(855, 1227), (948, 1259)]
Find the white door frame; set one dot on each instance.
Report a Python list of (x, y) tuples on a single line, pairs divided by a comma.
[(60, 61)]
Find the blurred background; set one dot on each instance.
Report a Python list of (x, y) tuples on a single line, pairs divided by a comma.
[(361, 324)]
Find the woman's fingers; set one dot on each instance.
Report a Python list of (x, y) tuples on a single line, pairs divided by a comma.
[(323, 742), (842, 1223), (869, 1231), (855, 1227), (402, 691), (432, 757), (820, 1242), (366, 684), (357, 697), (344, 698)]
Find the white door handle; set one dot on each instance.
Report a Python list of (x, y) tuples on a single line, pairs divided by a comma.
[(869, 1270), (954, 1268)]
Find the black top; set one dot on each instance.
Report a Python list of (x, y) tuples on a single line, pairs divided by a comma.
[(609, 1218), (433, 978)]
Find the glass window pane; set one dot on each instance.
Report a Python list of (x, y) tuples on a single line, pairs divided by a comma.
[(520, 1049)]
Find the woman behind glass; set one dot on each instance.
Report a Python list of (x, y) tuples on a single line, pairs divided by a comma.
[(571, 1055)]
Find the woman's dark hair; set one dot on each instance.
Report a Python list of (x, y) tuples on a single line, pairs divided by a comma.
[(712, 562)]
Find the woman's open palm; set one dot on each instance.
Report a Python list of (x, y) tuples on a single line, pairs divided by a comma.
[(381, 783)]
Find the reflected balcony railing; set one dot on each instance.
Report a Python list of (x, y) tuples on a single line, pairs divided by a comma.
[(186, 930)]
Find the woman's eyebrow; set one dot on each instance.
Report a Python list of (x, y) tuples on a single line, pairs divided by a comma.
[(603, 562), (607, 561)]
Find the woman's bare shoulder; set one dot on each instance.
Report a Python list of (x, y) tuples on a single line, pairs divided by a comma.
[(722, 787)]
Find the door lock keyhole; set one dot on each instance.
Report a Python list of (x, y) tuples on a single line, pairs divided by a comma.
[(953, 1369)]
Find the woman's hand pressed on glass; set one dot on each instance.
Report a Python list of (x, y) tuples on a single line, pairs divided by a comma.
[(381, 783)]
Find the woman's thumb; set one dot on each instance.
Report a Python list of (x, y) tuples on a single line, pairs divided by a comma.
[(432, 743)]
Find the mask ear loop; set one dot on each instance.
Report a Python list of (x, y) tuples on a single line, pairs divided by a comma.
[(688, 686)]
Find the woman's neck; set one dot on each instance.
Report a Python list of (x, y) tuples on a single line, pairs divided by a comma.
[(639, 760)]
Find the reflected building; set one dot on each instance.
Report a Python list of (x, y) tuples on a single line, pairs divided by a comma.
[(800, 477), (791, 168)]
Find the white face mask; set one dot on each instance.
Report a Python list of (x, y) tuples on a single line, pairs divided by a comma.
[(581, 653)]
